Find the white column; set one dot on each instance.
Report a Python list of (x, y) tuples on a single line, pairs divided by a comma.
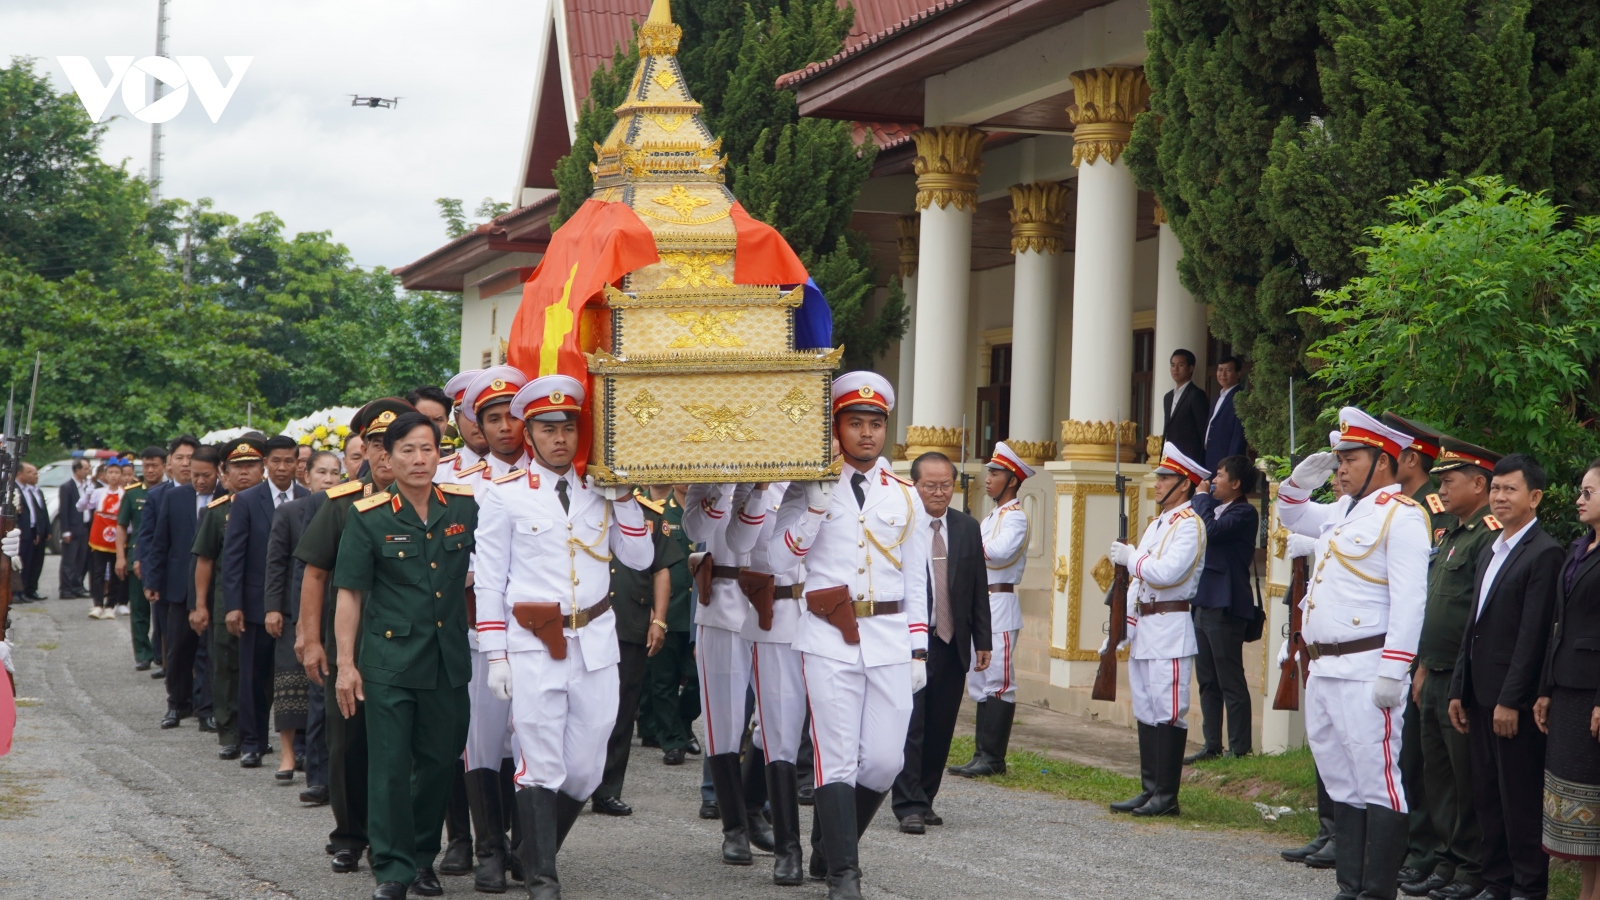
[(1180, 321), (949, 158), (905, 387), (1037, 240)]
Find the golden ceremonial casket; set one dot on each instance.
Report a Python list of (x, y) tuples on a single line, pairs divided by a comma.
[(695, 373)]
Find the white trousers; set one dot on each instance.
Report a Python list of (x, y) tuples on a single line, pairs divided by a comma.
[(563, 715), (1000, 679), (489, 731), (1356, 745), (780, 700), (723, 660), (859, 718), (1161, 690)]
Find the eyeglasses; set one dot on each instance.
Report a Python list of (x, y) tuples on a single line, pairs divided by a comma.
[(1586, 494), (930, 487)]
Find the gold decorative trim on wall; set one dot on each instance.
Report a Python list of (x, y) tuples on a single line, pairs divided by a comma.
[(1074, 584)]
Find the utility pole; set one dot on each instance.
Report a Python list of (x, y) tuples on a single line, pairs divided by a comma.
[(158, 89)]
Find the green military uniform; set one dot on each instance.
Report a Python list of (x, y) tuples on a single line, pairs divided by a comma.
[(633, 601), (209, 531), (415, 663), (129, 517), (672, 688)]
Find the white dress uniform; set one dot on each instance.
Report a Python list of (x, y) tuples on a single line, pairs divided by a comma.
[(727, 519), (775, 665), (1161, 645), (1369, 584), (450, 465), (1005, 550)]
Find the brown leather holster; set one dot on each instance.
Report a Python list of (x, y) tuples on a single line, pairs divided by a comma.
[(834, 605), (472, 608), (545, 621), (757, 587), (700, 566)]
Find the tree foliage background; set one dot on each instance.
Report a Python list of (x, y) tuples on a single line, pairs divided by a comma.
[(1279, 129), (154, 320), (799, 175)]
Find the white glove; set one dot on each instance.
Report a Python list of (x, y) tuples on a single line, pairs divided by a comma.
[(1121, 554), (5, 657), (817, 493), (919, 675), (1300, 545), (11, 545), (1106, 640), (615, 492), (500, 678), (1283, 652), (1387, 693), (1314, 470)]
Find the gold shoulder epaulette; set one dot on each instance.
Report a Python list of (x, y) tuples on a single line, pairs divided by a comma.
[(891, 474), (1403, 498), (1186, 512), (450, 458), (478, 466), (344, 490), (367, 504), (1491, 523), (653, 506), (1435, 504), (460, 490), (512, 475), (219, 501)]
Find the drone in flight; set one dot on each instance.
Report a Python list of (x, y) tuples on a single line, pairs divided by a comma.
[(374, 102)]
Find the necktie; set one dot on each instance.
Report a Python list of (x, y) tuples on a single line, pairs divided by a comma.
[(283, 497), (561, 491), (942, 616), (857, 482)]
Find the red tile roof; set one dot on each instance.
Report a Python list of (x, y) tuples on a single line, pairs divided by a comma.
[(919, 14)]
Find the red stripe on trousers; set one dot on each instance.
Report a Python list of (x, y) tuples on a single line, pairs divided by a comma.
[(705, 704), (1388, 760), (816, 745), (1005, 675), (755, 673), (1174, 692)]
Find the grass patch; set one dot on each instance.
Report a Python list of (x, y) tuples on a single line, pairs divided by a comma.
[(28, 701), (15, 796), (48, 645)]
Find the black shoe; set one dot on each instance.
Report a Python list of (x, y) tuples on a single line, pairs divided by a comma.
[(250, 760), (727, 781), (649, 742), (611, 806), (457, 859), (1299, 854), (346, 861), (673, 757), (142, 666), (427, 883), (1147, 771), (208, 725), (159, 673), (1409, 873), (1425, 886), (806, 794), (913, 824), (709, 810), (931, 818), (284, 776), (316, 795), (231, 751), (694, 747), (1204, 754), (390, 890), (171, 719), (977, 742), (1325, 858), (1455, 890)]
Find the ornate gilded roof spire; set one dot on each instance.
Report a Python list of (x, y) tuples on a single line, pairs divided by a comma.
[(658, 36)]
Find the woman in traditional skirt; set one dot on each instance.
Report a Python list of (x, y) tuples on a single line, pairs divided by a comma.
[(1568, 709)]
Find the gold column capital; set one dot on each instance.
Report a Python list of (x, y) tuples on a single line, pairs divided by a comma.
[(922, 439), (1097, 441), (949, 158), (1038, 217), (1105, 103), (1034, 453), (910, 230)]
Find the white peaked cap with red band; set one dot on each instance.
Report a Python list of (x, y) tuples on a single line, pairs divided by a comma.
[(1357, 430), (549, 398), (457, 386), (1173, 462), (492, 385), (1006, 458), (862, 392)]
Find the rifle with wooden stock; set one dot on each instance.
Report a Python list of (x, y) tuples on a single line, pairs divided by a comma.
[(13, 450), (1105, 679), (1297, 667)]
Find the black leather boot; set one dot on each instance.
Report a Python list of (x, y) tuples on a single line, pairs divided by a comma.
[(977, 743), (457, 859), (1324, 833), (508, 805), (835, 805), (567, 812), (996, 737), (536, 808), (1170, 743), (1147, 771), (754, 774), (1350, 849), (488, 829), (818, 868), (726, 781), (867, 803), (1387, 832), (783, 794)]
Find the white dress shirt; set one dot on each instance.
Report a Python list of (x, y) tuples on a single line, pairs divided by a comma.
[(1500, 550), (1214, 407)]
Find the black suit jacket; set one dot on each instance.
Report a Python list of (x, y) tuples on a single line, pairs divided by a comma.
[(281, 592), (1503, 648), (1224, 434), (244, 550), (1230, 549), (166, 552), (71, 517), (1186, 426), (969, 586), (33, 517), (1573, 660)]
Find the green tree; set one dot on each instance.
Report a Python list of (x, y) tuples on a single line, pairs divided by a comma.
[(455, 218)]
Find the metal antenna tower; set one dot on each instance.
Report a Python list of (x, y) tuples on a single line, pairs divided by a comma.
[(158, 89)]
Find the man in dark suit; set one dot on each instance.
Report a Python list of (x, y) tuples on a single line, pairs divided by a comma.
[(1224, 433), (281, 598), (1496, 682), (1185, 408), (1225, 606), (166, 537), (74, 531), (243, 583), (934, 708), (33, 518)]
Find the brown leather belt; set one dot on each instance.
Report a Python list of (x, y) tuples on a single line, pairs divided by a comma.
[(725, 572), (1345, 648), (789, 591), (1163, 606), (865, 608), (1002, 589), (583, 617)]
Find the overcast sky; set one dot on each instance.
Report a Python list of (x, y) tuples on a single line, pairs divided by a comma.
[(289, 141)]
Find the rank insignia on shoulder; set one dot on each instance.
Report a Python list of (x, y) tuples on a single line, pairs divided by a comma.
[(458, 490), (454, 529), (887, 474), (1407, 500), (1491, 523), (512, 475), (219, 501), (449, 459), (1382, 498), (367, 504), (1435, 505), (346, 489), (533, 480), (478, 466)]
